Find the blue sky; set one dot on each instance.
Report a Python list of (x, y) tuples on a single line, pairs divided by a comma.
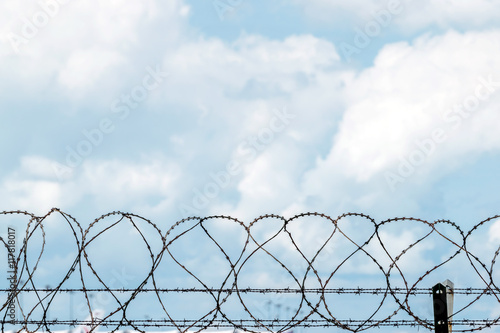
[(242, 108)]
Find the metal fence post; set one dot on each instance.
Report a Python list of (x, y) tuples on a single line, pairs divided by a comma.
[(442, 296)]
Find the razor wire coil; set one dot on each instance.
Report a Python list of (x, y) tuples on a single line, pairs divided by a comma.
[(309, 313)]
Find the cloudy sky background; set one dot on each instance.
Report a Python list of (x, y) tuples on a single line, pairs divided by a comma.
[(242, 108)]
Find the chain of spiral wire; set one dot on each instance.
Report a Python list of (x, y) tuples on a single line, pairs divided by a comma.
[(217, 318)]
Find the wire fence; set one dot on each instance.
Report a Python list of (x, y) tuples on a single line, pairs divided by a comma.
[(44, 275)]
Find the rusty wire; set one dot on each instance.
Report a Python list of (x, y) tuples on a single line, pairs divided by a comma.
[(309, 313)]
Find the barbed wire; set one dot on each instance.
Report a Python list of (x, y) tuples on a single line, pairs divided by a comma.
[(313, 309), (159, 323), (356, 291)]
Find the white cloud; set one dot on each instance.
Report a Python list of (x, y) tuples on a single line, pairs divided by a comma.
[(112, 184), (394, 107), (238, 88), (36, 166), (494, 232), (84, 44), (391, 110), (250, 69), (251, 77), (410, 14), (84, 68), (35, 196), (114, 23), (452, 12), (266, 186), (133, 182)]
